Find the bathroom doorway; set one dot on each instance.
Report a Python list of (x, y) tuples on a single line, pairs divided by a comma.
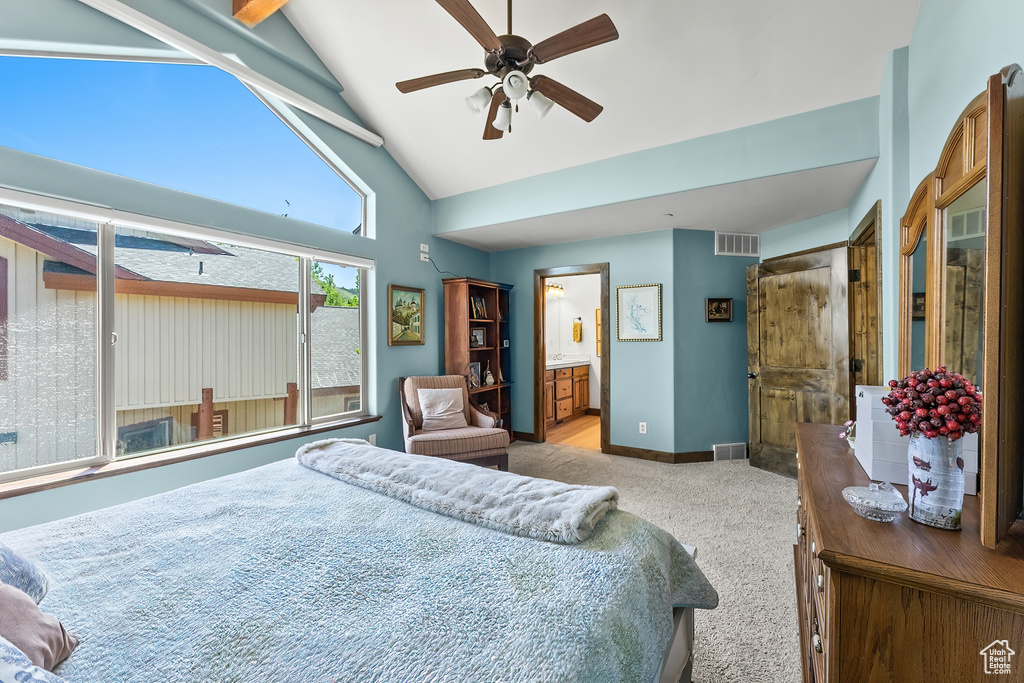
[(572, 363)]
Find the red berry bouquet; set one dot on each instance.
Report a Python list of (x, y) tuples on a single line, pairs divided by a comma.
[(939, 403)]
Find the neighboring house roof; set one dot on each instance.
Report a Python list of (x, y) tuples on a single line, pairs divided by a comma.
[(147, 259), (335, 347)]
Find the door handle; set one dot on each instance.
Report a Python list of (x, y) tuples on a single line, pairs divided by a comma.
[(751, 375)]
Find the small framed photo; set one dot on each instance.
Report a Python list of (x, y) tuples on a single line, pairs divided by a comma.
[(718, 310), (405, 316), (477, 337), (474, 375), (638, 313), (917, 304), (479, 308)]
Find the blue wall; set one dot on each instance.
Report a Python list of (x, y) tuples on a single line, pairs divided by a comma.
[(710, 375), (646, 376)]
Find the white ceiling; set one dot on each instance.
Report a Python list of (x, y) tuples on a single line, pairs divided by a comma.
[(680, 69)]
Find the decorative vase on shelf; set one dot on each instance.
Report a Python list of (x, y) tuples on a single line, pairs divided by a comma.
[(936, 480), (935, 409), (488, 377)]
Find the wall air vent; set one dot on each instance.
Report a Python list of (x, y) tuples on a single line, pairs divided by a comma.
[(737, 244), (965, 225), (730, 451)]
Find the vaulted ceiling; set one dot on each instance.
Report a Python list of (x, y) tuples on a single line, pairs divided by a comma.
[(681, 69)]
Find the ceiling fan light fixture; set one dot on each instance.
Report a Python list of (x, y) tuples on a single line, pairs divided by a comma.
[(515, 84), (479, 101), (503, 117), (541, 104)]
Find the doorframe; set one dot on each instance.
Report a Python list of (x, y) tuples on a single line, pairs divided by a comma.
[(540, 275), (872, 219)]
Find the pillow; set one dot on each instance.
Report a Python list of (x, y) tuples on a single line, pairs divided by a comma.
[(442, 409), (15, 666), (24, 575), (41, 637)]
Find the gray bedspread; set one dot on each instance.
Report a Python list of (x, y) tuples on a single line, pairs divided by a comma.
[(283, 574)]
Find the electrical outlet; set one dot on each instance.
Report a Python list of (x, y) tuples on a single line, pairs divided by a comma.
[(643, 427), (372, 439), (424, 247), (425, 257)]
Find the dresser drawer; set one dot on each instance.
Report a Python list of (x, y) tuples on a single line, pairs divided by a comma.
[(581, 371), (563, 373)]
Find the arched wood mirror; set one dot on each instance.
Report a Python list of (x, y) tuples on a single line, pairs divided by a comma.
[(961, 282)]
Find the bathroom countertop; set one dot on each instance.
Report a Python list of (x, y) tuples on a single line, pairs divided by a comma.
[(559, 364)]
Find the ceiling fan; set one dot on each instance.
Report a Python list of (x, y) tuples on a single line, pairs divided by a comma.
[(511, 58)]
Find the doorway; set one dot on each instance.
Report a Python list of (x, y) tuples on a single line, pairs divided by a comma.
[(572, 363), (866, 303)]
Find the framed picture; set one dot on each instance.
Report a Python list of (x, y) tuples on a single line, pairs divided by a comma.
[(405, 316), (638, 313), (917, 306), (477, 337), (474, 375), (718, 310), (479, 308)]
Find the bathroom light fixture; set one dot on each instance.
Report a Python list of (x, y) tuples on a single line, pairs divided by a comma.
[(555, 290)]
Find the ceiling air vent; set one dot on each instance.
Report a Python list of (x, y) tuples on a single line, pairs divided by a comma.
[(737, 244)]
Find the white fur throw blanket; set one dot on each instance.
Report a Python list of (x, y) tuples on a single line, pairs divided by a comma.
[(526, 506)]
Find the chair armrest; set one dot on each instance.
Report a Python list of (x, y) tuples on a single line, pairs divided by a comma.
[(408, 428), (481, 417)]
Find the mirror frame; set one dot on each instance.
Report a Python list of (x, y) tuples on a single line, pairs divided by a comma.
[(979, 147)]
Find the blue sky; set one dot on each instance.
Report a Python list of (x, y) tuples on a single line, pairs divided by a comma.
[(187, 127)]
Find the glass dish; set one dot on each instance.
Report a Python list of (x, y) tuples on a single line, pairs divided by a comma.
[(879, 502)]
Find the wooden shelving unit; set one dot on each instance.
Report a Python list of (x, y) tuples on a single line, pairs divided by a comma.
[(462, 314)]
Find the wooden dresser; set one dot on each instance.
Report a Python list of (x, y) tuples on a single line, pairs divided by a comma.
[(899, 602)]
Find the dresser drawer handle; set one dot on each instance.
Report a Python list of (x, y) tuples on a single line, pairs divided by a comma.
[(816, 639)]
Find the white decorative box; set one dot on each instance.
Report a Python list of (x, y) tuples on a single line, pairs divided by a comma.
[(882, 452)]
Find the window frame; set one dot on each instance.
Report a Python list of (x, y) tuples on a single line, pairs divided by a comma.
[(108, 221)]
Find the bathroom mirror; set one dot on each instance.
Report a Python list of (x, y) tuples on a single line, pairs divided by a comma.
[(918, 264)]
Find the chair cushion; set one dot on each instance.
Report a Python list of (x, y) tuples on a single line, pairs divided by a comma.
[(442, 409), (448, 442), (412, 402)]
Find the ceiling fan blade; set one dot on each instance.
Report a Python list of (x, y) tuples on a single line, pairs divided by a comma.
[(588, 34), (490, 132), (439, 79), (567, 97), (465, 14)]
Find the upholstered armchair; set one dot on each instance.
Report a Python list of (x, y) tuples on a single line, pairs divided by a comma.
[(482, 441)]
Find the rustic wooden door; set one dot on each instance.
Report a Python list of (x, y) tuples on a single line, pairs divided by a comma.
[(865, 305), (797, 351)]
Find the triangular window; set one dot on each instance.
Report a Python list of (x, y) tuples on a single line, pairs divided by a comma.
[(187, 127)]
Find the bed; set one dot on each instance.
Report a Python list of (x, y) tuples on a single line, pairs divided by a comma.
[(283, 573)]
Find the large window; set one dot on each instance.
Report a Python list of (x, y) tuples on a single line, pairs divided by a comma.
[(206, 338), (188, 127), (47, 345)]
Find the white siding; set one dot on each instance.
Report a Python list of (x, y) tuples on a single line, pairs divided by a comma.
[(169, 349), (49, 398)]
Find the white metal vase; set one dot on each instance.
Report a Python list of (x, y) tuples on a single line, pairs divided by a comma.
[(936, 481)]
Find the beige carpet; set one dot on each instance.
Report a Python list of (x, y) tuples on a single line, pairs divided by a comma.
[(741, 520)]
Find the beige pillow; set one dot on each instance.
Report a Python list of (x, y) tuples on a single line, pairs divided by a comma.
[(40, 636), (442, 409)]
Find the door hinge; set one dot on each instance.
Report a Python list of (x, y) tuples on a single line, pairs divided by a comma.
[(856, 365), (855, 276)]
